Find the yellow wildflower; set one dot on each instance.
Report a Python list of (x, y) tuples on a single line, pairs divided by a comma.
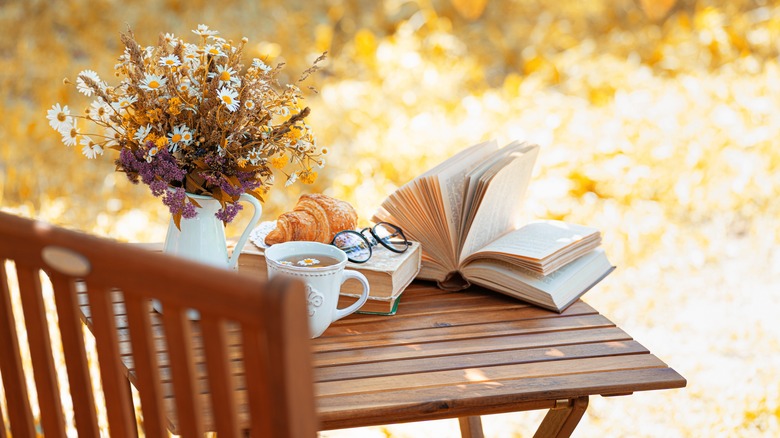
[(308, 176), (154, 115), (174, 106), (162, 141), (241, 162), (295, 133), (279, 162)]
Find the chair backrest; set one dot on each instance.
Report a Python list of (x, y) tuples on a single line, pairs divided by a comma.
[(251, 352)]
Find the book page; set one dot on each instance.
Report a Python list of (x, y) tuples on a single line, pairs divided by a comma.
[(539, 240), (502, 202), (477, 180), (428, 207), (555, 291), (452, 179)]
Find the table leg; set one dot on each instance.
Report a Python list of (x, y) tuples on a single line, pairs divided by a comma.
[(561, 420), (471, 427)]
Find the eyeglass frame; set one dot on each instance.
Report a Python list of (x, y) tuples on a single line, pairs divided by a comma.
[(376, 239)]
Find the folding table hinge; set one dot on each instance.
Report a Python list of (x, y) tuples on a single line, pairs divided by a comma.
[(562, 403)]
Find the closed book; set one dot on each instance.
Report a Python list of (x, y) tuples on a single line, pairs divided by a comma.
[(388, 306)]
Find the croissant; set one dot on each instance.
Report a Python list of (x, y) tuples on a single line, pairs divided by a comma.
[(315, 218)]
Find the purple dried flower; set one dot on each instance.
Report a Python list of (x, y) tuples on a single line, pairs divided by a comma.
[(228, 212), (158, 187), (176, 200), (164, 176)]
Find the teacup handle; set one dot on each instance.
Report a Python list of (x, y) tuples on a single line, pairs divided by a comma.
[(258, 210), (340, 313)]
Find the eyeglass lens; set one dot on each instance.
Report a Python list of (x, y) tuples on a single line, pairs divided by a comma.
[(352, 243), (391, 236)]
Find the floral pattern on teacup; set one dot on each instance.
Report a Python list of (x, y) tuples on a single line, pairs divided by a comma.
[(314, 299)]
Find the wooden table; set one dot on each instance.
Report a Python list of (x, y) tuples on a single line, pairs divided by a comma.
[(466, 354)]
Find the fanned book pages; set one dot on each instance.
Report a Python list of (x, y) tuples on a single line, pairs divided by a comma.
[(464, 212)]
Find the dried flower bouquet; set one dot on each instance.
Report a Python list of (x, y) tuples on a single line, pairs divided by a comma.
[(189, 119)]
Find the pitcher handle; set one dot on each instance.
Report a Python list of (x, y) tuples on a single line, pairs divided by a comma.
[(340, 313), (258, 210)]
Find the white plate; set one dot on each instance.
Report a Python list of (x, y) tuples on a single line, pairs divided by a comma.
[(257, 236)]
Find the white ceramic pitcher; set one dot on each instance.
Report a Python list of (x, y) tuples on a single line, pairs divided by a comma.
[(202, 238)]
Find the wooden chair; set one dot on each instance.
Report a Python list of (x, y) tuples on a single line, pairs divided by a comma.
[(271, 319)]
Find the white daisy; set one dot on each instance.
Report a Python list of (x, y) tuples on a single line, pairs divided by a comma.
[(308, 262), (153, 82), (186, 135), (191, 55), (226, 76), (203, 30), (177, 137), (259, 64), (124, 102), (226, 47), (249, 104), (69, 138), (229, 97), (254, 156), (291, 179), (99, 111), (90, 149), (321, 163), (169, 38), (170, 61), (59, 118), (142, 133), (82, 86), (184, 87), (151, 153), (214, 51)]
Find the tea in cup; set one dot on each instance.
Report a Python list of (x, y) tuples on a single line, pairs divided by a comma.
[(321, 268)]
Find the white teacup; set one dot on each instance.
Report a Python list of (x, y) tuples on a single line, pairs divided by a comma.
[(322, 284)]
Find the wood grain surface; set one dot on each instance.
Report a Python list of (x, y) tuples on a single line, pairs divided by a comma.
[(443, 355)]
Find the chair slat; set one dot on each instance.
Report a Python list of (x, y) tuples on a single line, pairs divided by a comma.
[(2, 425), (19, 412), (157, 352), (187, 399), (146, 366), (221, 383), (52, 418), (72, 334), (115, 387), (295, 391), (257, 382)]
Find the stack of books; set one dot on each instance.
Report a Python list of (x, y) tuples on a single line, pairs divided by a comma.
[(465, 212)]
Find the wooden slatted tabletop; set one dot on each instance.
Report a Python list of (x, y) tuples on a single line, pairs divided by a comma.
[(455, 354)]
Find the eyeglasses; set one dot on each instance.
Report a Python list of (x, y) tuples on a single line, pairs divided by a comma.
[(357, 244)]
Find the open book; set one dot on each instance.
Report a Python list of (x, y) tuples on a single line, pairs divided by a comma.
[(465, 213)]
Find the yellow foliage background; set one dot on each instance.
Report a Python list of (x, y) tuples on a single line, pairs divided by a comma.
[(658, 122)]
